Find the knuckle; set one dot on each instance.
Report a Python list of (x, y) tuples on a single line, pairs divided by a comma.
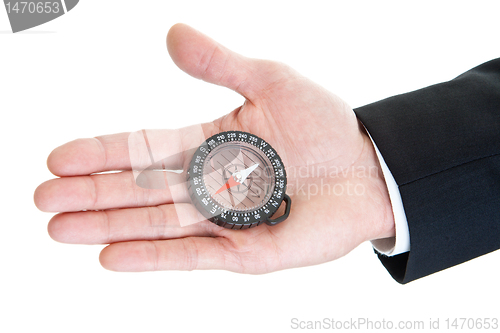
[(140, 196), (154, 255), (213, 63), (92, 188), (192, 254), (106, 227)]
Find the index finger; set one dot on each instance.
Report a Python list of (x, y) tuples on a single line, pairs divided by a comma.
[(128, 151)]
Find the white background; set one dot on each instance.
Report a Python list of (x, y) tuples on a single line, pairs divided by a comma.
[(104, 68)]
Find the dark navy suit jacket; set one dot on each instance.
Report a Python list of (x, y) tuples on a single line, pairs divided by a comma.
[(442, 145)]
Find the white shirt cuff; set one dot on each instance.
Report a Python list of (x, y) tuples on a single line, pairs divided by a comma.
[(401, 243)]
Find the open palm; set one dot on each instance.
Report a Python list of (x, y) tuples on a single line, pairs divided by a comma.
[(338, 192)]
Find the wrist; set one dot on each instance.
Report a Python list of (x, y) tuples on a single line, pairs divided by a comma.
[(383, 222)]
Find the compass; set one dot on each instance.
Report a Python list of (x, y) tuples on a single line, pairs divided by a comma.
[(238, 181)]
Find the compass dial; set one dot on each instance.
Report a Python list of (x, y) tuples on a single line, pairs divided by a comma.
[(237, 180), (228, 161)]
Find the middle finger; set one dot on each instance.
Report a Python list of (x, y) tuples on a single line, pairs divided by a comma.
[(107, 191)]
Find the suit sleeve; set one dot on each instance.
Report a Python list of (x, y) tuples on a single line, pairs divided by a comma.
[(442, 145)]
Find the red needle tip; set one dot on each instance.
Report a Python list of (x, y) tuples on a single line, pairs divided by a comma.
[(230, 183)]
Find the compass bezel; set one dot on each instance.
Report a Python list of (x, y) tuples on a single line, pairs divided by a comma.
[(209, 207)]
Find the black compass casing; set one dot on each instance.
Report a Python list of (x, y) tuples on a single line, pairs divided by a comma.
[(245, 206)]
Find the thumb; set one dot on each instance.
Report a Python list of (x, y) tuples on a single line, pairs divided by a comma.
[(203, 58)]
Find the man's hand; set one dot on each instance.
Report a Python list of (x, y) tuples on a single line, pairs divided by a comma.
[(339, 195)]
